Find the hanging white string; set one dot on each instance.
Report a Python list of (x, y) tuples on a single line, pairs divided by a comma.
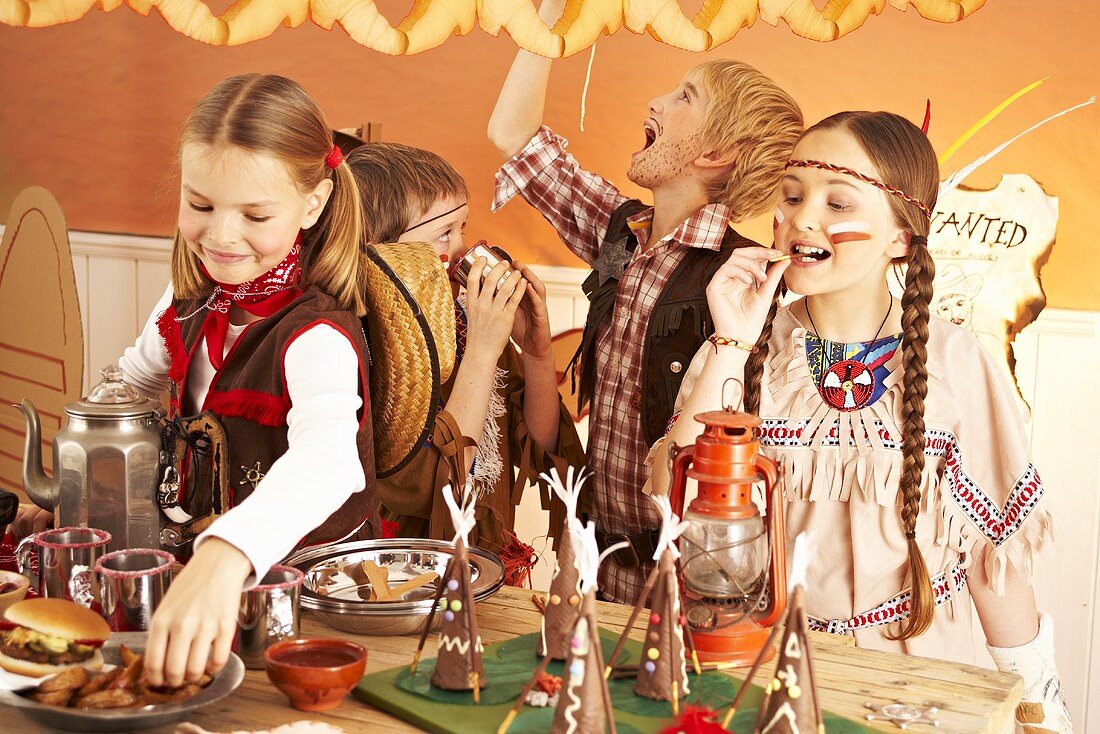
[(462, 516), (587, 79), (671, 527)]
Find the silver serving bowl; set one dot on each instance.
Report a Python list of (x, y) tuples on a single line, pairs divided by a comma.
[(338, 592), (146, 717)]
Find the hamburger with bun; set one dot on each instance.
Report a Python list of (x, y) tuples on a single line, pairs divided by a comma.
[(45, 636)]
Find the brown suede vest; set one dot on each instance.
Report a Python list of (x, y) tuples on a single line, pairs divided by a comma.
[(249, 397), (679, 325)]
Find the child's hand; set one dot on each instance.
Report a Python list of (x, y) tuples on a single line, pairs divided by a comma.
[(531, 331), (194, 626), (491, 304), (30, 520), (741, 292)]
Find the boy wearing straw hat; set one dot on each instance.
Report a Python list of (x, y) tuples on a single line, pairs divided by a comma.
[(502, 421), (714, 151)]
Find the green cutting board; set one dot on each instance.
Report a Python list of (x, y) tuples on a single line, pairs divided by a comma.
[(509, 665)]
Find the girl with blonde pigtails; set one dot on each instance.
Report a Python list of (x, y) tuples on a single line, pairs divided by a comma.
[(907, 465)]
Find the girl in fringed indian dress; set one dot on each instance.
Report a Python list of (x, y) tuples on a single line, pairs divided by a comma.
[(907, 465)]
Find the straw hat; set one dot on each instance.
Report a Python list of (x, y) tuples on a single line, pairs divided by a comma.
[(411, 330)]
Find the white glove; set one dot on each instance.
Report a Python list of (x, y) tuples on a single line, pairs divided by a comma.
[(1042, 708)]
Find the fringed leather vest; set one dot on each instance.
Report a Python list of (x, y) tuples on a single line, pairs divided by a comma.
[(249, 397), (679, 325)]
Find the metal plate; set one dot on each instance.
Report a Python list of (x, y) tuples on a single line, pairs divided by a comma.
[(67, 719), (337, 591)]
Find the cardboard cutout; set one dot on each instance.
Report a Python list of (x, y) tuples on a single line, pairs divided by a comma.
[(41, 337)]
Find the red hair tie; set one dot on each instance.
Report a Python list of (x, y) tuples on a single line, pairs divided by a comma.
[(334, 158)]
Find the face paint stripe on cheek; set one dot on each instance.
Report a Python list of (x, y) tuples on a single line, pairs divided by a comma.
[(848, 232), (779, 218)]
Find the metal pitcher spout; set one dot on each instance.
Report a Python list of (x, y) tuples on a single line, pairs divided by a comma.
[(42, 490)]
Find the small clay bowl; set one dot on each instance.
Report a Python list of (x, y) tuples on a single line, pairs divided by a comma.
[(13, 593), (315, 674)]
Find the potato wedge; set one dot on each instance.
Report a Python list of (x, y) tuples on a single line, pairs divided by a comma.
[(67, 680), (99, 683), (112, 698), (54, 698)]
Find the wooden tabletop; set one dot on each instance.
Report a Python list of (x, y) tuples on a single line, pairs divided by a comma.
[(970, 699)]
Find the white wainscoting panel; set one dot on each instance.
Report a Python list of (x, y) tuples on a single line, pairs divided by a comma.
[(120, 277)]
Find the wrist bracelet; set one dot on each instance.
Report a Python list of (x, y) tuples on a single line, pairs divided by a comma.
[(722, 341)]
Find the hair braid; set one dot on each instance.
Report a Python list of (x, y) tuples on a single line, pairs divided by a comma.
[(754, 367), (914, 322)]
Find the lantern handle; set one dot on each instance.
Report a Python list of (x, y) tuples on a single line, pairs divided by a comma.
[(680, 457), (777, 578), (728, 406)]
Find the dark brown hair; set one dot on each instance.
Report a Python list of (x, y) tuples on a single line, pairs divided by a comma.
[(398, 184), (272, 115), (905, 160)]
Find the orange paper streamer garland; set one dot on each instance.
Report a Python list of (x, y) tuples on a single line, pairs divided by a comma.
[(431, 22)]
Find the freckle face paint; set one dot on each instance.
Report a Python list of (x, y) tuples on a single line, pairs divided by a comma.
[(778, 219), (848, 232)]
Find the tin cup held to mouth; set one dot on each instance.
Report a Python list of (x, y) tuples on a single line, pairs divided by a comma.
[(268, 614), (460, 273)]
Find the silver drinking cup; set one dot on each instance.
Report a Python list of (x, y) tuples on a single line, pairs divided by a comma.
[(268, 614), (64, 558), (132, 583)]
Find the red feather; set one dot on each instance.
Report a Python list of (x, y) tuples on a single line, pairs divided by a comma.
[(696, 720), (927, 116)]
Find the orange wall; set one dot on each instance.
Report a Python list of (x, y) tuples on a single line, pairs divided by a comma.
[(91, 110)]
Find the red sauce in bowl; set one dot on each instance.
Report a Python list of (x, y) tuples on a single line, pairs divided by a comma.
[(315, 674), (317, 657)]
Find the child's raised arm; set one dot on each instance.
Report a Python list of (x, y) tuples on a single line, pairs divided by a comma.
[(519, 109)]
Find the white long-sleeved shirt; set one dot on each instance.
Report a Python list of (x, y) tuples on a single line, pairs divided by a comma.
[(321, 466)]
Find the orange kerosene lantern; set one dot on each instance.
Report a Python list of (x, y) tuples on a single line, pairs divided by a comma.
[(733, 565)]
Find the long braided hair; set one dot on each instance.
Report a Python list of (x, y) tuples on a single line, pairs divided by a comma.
[(906, 161)]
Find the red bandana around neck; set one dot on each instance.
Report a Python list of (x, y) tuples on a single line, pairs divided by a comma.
[(261, 296)]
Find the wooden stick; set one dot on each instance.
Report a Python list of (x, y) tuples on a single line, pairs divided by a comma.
[(539, 603), (752, 672), (531, 684), (691, 643), (594, 637), (803, 627), (673, 621), (471, 619), (630, 670), (642, 599), (431, 614)]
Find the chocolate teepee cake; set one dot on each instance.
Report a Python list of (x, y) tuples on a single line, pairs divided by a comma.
[(790, 705), (564, 598), (662, 672), (458, 665), (584, 702)]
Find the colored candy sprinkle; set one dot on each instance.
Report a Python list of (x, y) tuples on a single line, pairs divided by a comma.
[(794, 691), (456, 605), (574, 600), (654, 636), (452, 584), (653, 653), (655, 618), (555, 599), (650, 666), (448, 616)]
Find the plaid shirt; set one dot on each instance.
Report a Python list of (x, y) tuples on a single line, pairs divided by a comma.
[(579, 205)]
